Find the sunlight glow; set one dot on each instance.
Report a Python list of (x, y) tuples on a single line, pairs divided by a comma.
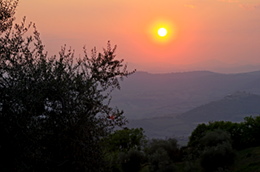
[(162, 32)]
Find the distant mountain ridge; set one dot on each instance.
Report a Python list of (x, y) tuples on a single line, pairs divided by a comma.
[(145, 95), (233, 107)]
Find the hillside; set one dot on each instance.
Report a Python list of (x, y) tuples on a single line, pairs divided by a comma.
[(164, 127), (145, 95), (247, 160), (233, 107)]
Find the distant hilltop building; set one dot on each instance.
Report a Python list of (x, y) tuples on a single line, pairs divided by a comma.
[(238, 94)]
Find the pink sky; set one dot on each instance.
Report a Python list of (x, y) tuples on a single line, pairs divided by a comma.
[(204, 33)]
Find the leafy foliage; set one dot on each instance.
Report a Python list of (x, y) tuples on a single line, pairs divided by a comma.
[(243, 135), (54, 110), (162, 154), (131, 160), (251, 130), (123, 149), (214, 142), (124, 140), (128, 150), (7, 11), (217, 151)]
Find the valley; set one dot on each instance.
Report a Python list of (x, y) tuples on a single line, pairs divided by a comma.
[(171, 105)]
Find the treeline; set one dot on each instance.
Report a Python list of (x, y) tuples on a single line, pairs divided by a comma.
[(243, 135), (128, 150), (212, 147)]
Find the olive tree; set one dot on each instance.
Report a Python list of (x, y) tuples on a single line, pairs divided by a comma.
[(7, 11), (124, 149), (217, 151), (54, 110), (162, 154)]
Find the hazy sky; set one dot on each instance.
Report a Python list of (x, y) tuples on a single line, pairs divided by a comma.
[(201, 32)]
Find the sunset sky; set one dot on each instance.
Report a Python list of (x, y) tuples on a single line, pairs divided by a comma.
[(202, 34)]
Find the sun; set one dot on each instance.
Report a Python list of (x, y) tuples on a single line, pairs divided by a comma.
[(162, 32)]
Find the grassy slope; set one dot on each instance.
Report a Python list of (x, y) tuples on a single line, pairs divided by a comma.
[(248, 160)]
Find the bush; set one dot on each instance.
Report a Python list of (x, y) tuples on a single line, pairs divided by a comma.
[(217, 151), (131, 161), (123, 149), (162, 154)]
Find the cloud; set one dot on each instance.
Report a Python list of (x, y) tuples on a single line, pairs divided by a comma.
[(250, 6), (243, 5), (229, 1), (189, 6)]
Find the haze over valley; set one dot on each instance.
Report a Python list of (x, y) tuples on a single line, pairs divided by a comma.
[(171, 105)]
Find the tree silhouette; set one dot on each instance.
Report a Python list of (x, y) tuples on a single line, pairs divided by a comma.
[(7, 11), (53, 110)]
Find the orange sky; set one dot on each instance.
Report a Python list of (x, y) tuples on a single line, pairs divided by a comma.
[(204, 33)]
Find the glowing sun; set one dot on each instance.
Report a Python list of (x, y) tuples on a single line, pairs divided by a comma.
[(162, 32)]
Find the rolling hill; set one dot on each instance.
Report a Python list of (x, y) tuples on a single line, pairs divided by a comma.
[(145, 95), (171, 105), (233, 107)]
